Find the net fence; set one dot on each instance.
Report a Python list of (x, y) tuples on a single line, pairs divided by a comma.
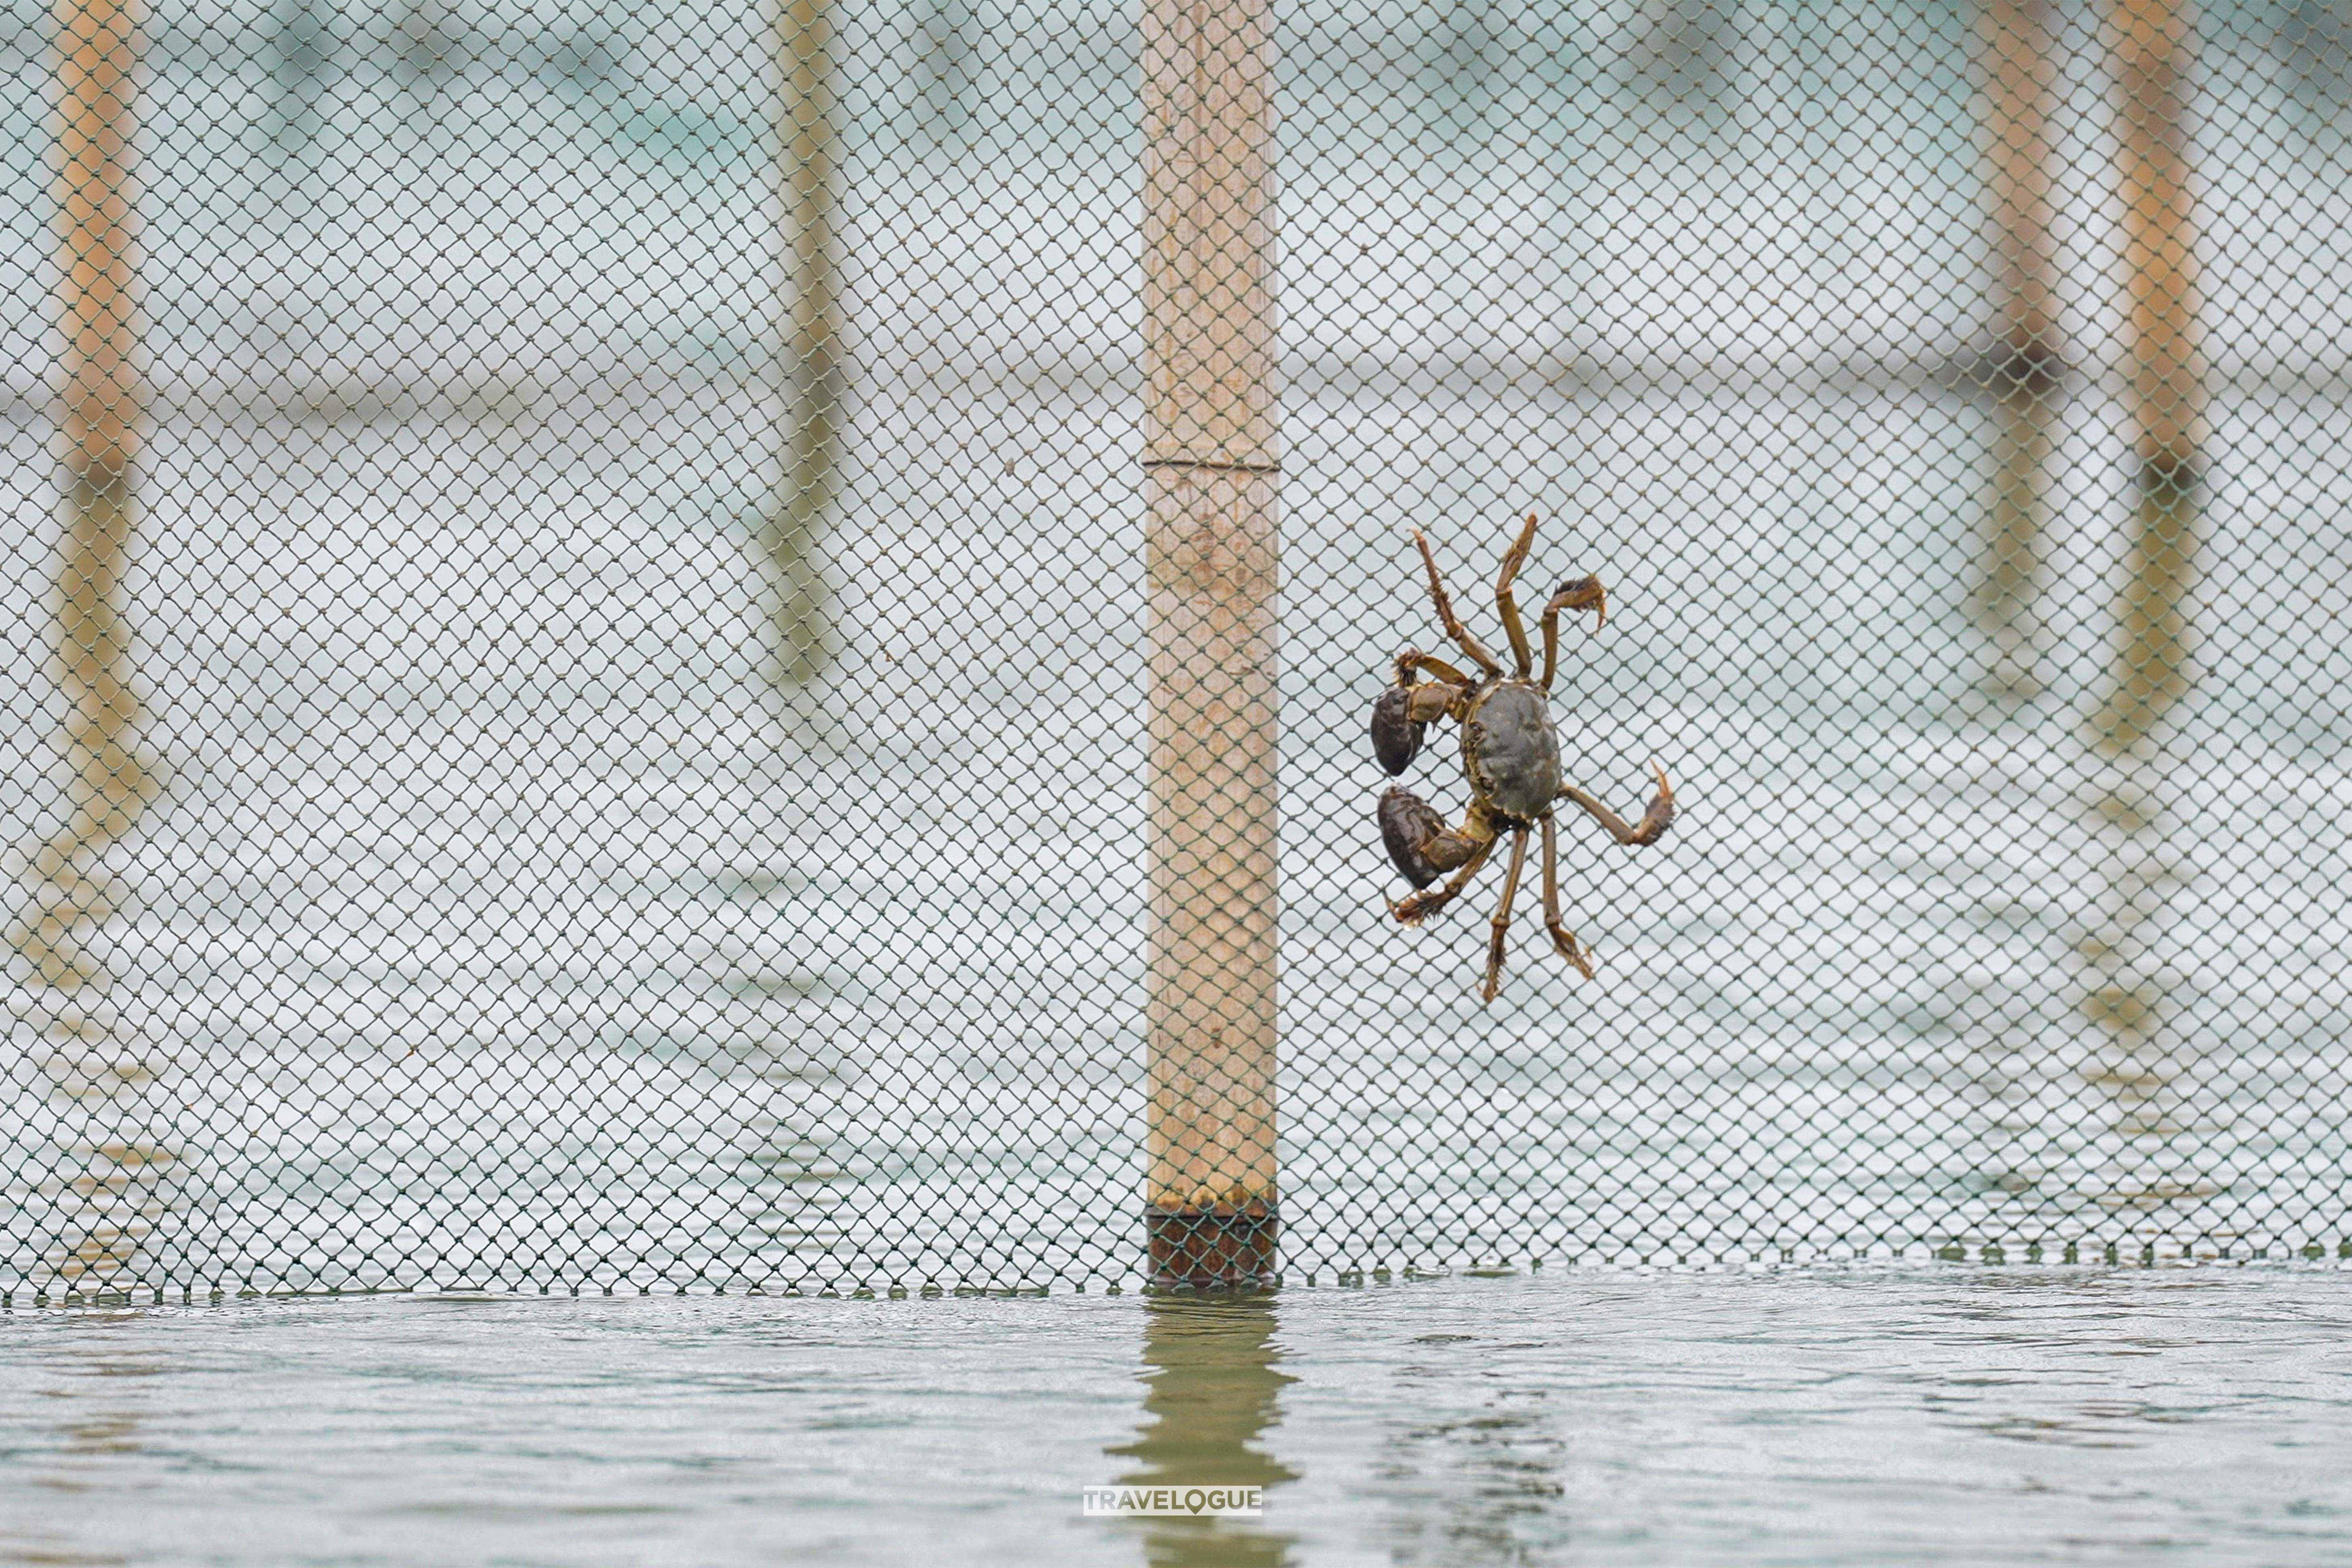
[(730, 646)]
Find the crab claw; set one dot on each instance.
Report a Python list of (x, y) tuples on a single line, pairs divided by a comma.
[(1396, 734), (1581, 593), (1407, 825)]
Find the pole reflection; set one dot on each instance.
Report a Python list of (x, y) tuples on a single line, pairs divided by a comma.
[(1212, 1386), (88, 1442)]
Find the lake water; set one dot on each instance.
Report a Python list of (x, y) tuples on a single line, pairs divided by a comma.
[(1943, 1415)]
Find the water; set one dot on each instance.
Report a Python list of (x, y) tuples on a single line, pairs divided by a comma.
[(1948, 1415)]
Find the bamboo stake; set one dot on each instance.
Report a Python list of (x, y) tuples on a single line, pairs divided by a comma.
[(97, 44), (812, 372), (2155, 46), (2027, 374), (2127, 940), (1211, 484), (120, 1204)]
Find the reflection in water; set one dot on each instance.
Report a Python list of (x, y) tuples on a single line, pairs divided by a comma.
[(93, 1407), (1502, 1466), (1211, 1385), (2144, 1066)]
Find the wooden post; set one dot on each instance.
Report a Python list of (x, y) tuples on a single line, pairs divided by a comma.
[(2155, 46), (2027, 371), (813, 344), (1210, 484), (2131, 932), (120, 1176), (98, 57)]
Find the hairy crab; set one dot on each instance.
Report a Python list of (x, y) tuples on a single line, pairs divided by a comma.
[(1510, 754)]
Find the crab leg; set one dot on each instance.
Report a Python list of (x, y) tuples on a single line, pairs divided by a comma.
[(1501, 921), (1508, 602), (1583, 593), (1412, 661), (1433, 702), (1453, 627), (1563, 939), (1420, 906), (1653, 824)]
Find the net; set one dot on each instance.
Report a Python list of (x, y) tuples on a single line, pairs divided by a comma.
[(730, 648)]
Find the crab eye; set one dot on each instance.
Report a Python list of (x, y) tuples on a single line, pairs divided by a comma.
[(1396, 734)]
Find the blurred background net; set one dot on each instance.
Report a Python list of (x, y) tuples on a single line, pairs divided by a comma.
[(575, 634)]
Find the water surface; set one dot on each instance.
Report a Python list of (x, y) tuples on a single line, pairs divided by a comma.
[(1803, 1416)]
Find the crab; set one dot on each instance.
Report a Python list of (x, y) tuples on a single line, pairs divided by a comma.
[(1510, 753)]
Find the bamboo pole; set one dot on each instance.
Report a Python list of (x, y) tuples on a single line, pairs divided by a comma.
[(2130, 936), (119, 1177), (97, 58), (2155, 46), (797, 514), (2027, 374), (1211, 483)]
